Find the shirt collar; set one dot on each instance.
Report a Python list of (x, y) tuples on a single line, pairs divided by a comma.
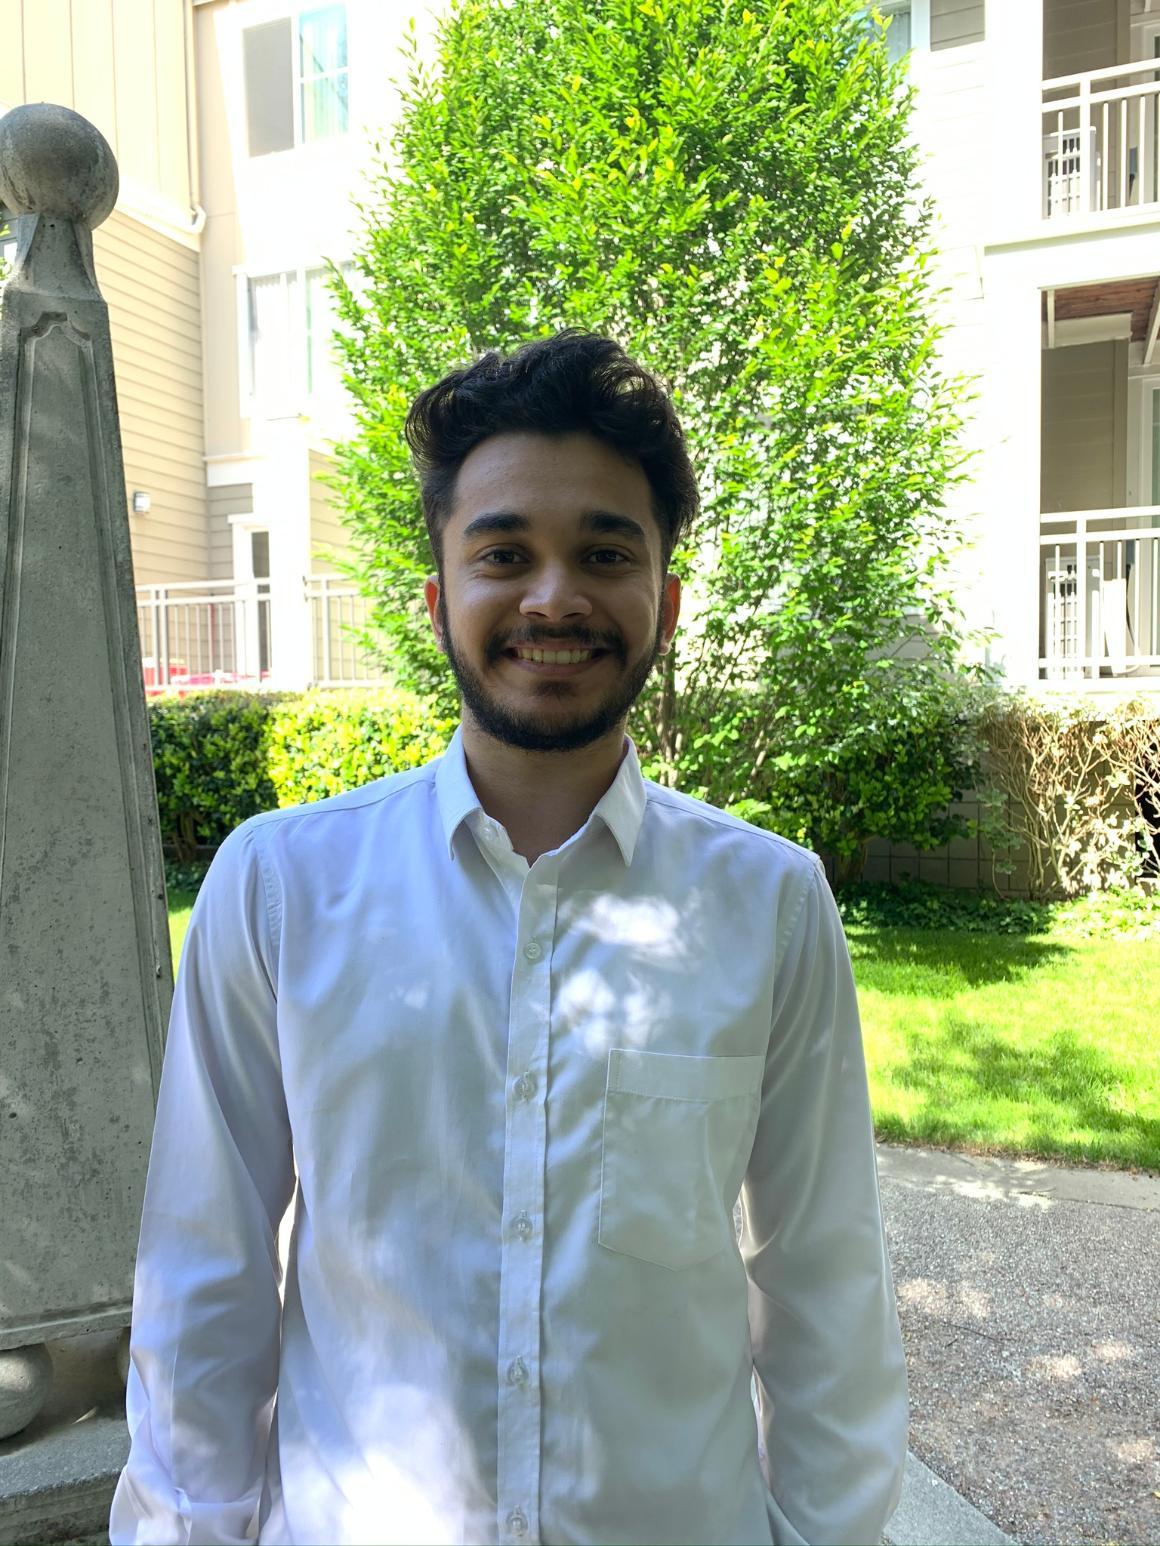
[(621, 807)]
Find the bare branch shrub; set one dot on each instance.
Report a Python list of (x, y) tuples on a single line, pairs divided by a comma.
[(1077, 778)]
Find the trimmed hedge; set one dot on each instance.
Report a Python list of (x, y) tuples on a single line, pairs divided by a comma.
[(220, 757)]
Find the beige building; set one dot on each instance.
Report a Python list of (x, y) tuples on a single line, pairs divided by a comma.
[(243, 127), (240, 128)]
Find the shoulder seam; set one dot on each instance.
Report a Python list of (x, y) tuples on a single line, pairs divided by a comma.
[(811, 885), (407, 780), (273, 906), (657, 793)]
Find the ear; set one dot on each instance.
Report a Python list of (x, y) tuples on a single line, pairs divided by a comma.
[(671, 610), (431, 593)]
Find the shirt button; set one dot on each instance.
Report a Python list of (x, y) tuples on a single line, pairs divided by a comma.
[(517, 1373), (522, 1225), (517, 1523), (533, 950), (525, 1086)]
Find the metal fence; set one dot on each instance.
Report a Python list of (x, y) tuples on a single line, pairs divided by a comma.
[(1100, 597), (218, 633)]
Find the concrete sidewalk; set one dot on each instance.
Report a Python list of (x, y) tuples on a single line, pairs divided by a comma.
[(1029, 1313)]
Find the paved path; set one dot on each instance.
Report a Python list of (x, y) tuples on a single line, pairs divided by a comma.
[(1031, 1317)]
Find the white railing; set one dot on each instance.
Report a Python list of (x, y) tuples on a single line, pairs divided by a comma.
[(337, 610), (1100, 140), (217, 633), (1100, 594), (204, 633)]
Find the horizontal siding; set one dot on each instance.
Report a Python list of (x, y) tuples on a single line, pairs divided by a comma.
[(1078, 35), (183, 303), (146, 279), (230, 499), (121, 64), (326, 529), (1079, 430), (954, 23)]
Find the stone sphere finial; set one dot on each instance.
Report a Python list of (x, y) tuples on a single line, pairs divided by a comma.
[(54, 162)]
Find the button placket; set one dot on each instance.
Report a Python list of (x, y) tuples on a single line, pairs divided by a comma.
[(521, 1258)]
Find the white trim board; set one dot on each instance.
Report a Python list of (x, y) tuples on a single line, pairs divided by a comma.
[(1087, 330)]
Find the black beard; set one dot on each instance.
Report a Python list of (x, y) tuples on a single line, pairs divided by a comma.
[(531, 732)]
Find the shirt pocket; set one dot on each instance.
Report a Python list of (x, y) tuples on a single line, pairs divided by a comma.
[(677, 1134)]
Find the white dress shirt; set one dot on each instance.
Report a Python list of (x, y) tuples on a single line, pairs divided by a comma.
[(519, 1103)]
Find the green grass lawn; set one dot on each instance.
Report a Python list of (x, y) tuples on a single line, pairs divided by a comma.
[(1039, 1044)]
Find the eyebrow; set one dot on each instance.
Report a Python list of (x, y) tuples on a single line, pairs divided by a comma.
[(603, 521)]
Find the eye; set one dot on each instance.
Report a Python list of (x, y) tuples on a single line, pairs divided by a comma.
[(609, 556), (501, 557)]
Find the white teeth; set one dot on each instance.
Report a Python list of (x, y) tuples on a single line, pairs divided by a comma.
[(555, 657)]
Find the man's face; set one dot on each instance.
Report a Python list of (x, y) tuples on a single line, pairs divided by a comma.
[(551, 545)]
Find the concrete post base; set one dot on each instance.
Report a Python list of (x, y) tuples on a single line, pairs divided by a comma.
[(58, 1474)]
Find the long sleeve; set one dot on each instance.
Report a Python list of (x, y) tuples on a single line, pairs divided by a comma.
[(827, 1350), (206, 1308)]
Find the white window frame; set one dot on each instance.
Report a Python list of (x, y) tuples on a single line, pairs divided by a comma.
[(1149, 388), (919, 21), (1143, 380), (300, 79), (297, 398), (279, 12)]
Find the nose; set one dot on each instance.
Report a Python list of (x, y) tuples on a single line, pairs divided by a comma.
[(554, 594)]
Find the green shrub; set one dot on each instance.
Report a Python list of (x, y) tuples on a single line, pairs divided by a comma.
[(210, 760), (910, 750), (220, 757), (732, 192), (327, 741), (916, 904)]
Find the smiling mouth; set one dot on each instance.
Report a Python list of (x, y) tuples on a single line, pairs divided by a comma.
[(553, 661)]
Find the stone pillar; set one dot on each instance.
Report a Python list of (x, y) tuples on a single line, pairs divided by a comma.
[(85, 971)]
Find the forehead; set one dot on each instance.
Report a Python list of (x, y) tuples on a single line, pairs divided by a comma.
[(551, 480)]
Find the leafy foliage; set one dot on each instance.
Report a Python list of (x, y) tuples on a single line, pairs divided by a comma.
[(210, 756), (325, 742), (221, 757), (1118, 913), (917, 904), (726, 189), (912, 752)]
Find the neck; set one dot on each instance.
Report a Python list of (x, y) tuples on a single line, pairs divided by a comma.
[(541, 798)]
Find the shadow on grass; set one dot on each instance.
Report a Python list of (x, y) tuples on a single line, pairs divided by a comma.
[(1072, 1092), (939, 964)]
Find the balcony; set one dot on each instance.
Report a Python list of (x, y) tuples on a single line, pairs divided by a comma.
[(1100, 141), (219, 633), (1099, 621)]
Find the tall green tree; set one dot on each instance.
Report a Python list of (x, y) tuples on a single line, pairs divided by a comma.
[(729, 190)]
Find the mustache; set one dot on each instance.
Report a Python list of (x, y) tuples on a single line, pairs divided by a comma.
[(571, 640)]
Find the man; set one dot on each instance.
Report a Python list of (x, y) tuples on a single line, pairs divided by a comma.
[(523, 1025)]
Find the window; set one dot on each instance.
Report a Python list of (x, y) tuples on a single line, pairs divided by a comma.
[(291, 321), (297, 79), (322, 374), (322, 72), (898, 33)]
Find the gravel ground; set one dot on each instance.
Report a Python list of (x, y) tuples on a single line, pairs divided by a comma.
[(1032, 1332)]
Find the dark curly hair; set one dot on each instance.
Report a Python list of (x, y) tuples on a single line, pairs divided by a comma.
[(574, 381)]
